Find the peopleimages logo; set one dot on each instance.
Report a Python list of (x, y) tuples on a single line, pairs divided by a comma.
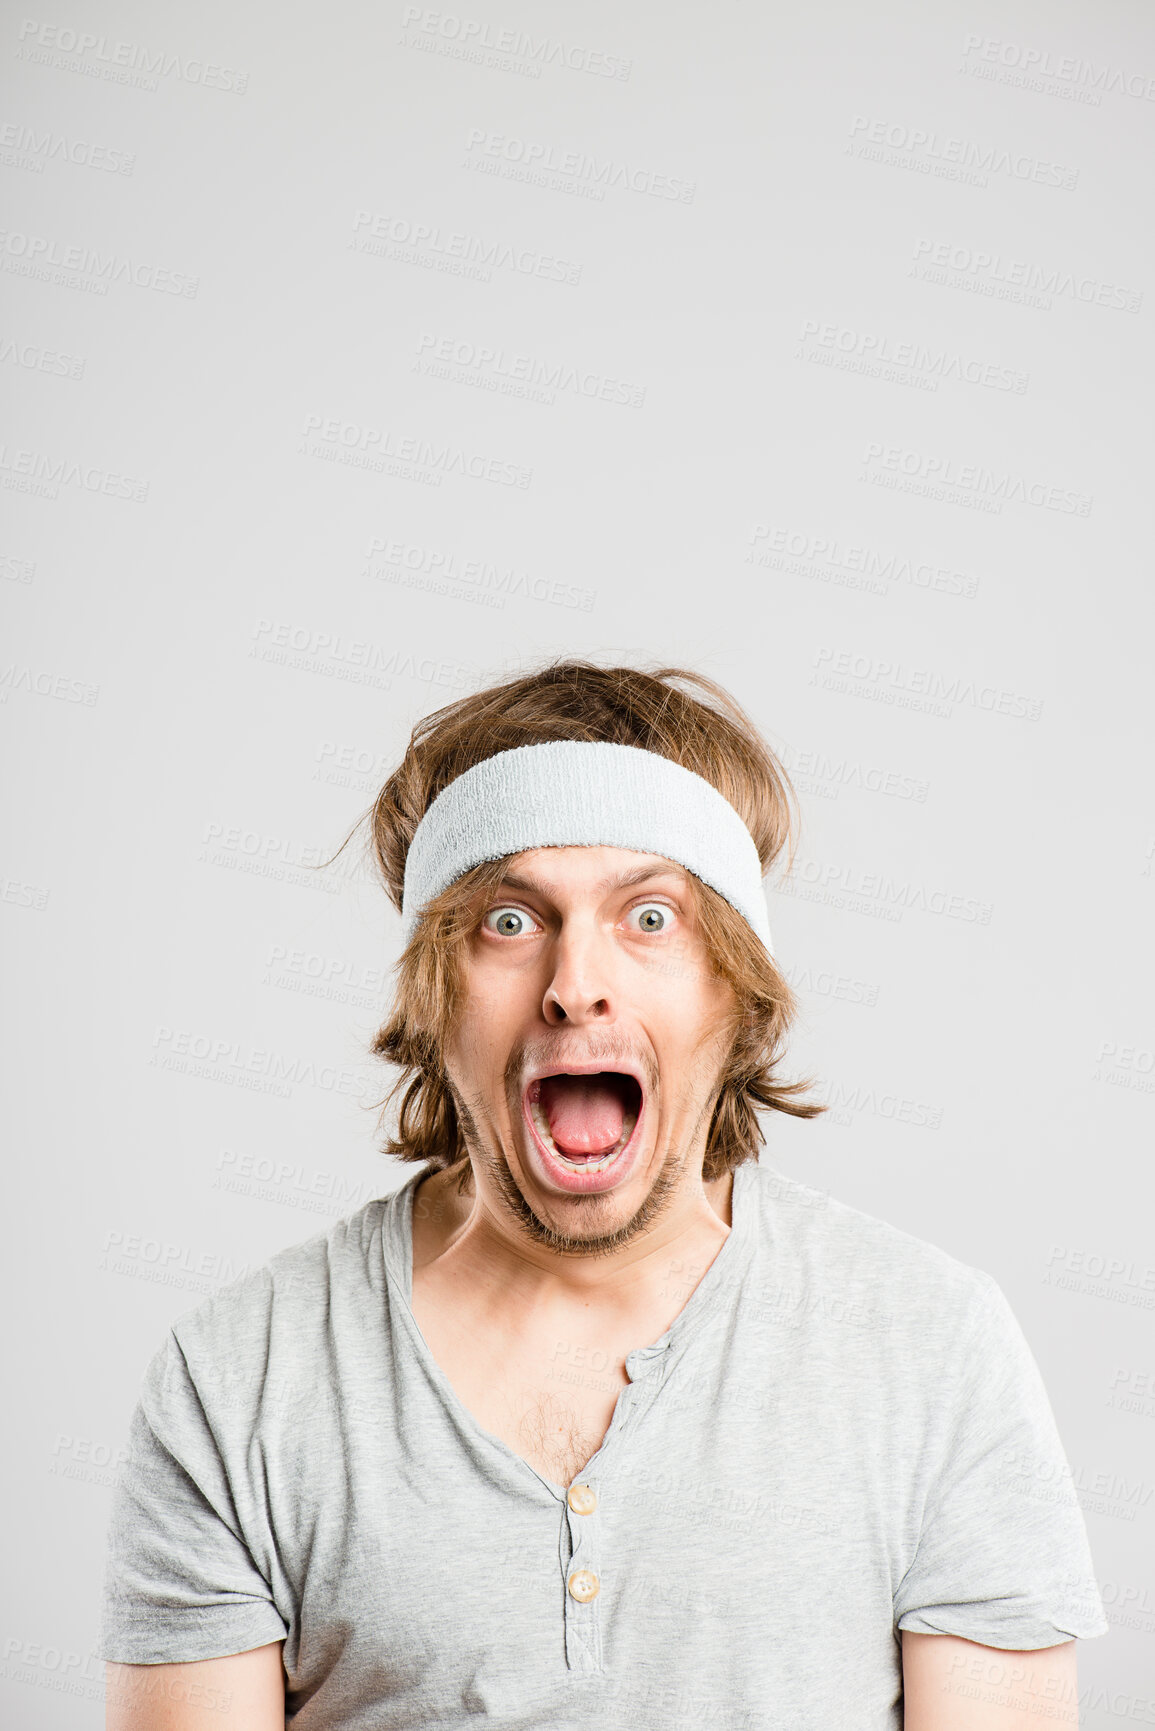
[(37, 472), (900, 1109), (406, 242), (32, 149), (994, 487), (1125, 1067), (828, 984), (22, 895), (815, 772), (881, 356), (448, 569), (1004, 278), (823, 555), (476, 39), (860, 674), (39, 682), (931, 153), (877, 894), (569, 170), (117, 62), (519, 375), (1036, 64), (265, 1071), (39, 360), (383, 451), (81, 267)]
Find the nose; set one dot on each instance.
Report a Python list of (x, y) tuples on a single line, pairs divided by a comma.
[(579, 990)]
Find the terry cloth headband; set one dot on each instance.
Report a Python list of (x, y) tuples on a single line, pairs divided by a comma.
[(584, 793)]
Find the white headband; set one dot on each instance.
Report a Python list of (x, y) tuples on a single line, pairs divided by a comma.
[(584, 793)]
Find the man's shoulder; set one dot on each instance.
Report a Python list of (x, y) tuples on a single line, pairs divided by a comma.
[(294, 1288), (827, 1241), (270, 1346)]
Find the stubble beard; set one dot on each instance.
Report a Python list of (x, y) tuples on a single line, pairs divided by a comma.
[(595, 1242)]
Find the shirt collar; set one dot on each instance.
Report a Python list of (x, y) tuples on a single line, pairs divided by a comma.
[(721, 1278)]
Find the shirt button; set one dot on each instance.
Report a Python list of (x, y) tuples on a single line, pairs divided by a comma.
[(582, 1500), (584, 1585)]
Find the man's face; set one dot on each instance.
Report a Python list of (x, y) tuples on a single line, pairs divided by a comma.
[(589, 1045)]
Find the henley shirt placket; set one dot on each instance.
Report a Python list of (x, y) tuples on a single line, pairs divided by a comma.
[(584, 1566)]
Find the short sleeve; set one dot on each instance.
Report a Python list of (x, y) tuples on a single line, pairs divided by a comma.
[(1002, 1557), (180, 1583)]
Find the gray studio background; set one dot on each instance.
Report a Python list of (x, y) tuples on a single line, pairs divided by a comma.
[(357, 356)]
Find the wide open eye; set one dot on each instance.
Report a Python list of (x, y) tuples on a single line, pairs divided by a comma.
[(652, 917), (508, 922)]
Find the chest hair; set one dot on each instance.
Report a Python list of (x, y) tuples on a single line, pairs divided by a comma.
[(555, 1438)]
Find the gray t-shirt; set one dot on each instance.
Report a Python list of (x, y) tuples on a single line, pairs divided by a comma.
[(842, 1434)]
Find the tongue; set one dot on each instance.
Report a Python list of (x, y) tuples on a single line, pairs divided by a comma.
[(584, 1113)]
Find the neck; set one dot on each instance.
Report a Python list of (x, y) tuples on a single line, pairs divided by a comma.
[(475, 1239)]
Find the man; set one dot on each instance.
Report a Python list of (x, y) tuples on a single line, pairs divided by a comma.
[(596, 1420)]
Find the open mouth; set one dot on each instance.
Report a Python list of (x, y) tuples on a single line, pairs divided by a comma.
[(584, 1122)]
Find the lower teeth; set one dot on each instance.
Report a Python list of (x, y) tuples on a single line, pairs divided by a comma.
[(599, 1165)]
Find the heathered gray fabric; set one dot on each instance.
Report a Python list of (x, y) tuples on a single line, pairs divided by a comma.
[(843, 1432)]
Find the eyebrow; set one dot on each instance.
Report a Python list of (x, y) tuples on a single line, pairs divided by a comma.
[(639, 875)]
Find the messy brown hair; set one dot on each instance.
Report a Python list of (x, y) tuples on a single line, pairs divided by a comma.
[(677, 713)]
